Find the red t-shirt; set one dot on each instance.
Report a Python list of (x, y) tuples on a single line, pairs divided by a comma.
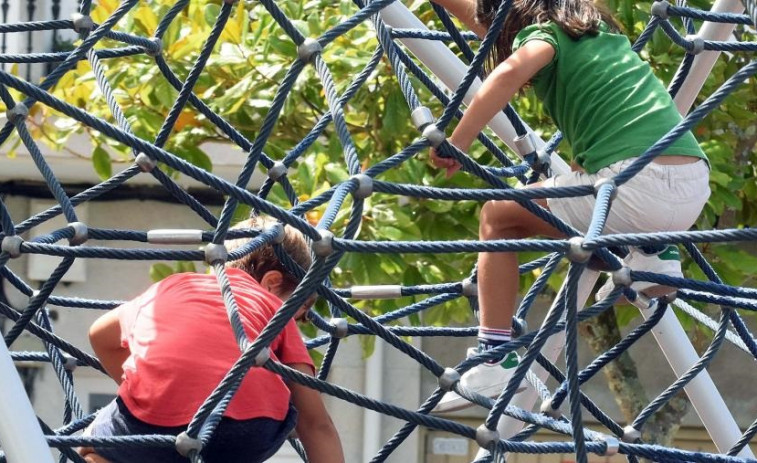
[(182, 346)]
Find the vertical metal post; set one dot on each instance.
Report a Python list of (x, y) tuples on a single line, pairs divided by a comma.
[(20, 434)]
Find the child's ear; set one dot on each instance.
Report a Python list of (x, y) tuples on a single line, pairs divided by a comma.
[(272, 281)]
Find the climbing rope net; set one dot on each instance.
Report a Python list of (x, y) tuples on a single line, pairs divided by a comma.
[(151, 159)]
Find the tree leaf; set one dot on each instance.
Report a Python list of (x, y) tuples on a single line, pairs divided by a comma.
[(102, 163)]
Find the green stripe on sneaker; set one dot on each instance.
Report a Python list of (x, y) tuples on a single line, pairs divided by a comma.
[(511, 361), (670, 253)]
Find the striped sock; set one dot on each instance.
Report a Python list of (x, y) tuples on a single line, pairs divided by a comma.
[(489, 338)]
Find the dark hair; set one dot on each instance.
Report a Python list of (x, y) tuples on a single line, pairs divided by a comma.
[(263, 259), (575, 17)]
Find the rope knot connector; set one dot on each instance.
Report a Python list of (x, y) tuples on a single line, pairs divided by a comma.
[(278, 232), (307, 50), (364, 186), (341, 327), (622, 277), (277, 170), (547, 409), (216, 254), (422, 117), (434, 136), (18, 113), (81, 233), (576, 252), (145, 162), (156, 49), (12, 245), (697, 44), (324, 246), (69, 363), (520, 327), (660, 9), (612, 445), (470, 289), (263, 356), (448, 379), (486, 438), (606, 181), (185, 445), (630, 434), (83, 24)]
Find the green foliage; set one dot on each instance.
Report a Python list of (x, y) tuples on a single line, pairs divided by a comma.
[(249, 63)]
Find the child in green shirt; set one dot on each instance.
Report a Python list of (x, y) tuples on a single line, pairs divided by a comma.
[(610, 108)]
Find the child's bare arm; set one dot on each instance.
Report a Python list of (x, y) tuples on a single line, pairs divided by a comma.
[(314, 426), (465, 11), (105, 338), (493, 95)]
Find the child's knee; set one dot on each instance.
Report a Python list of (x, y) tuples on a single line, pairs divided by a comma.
[(495, 221)]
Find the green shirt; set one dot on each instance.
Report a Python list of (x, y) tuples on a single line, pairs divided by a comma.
[(603, 97)]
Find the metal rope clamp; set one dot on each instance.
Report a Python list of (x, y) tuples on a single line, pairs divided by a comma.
[(576, 252), (216, 254), (630, 434), (324, 246), (422, 117), (307, 50), (277, 170), (185, 445), (525, 145), (12, 245), (434, 136), (341, 327), (606, 181), (263, 356), (81, 233), (364, 186), (18, 113), (279, 233), (470, 289), (697, 44), (547, 409), (448, 379), (660, 9), (82, 24), (486, 438), (156, 49), (612, 445), (145, 162)]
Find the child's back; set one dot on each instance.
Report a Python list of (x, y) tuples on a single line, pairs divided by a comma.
[(603, 97)]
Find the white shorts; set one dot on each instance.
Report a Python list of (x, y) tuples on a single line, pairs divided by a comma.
[(660, 198)]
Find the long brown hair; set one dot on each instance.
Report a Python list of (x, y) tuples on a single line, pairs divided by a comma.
[(575, 17)]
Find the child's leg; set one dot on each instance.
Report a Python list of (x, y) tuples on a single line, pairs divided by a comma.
[(498, 271)]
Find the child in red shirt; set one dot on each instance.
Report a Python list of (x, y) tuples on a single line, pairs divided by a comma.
[(171, 346)]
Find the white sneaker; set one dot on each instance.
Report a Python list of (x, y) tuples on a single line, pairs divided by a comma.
[(666, 262), (486, 379)]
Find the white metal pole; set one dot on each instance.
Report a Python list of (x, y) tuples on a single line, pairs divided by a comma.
[(374, 388), (20, 434), (702, 392), (705, 61)]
